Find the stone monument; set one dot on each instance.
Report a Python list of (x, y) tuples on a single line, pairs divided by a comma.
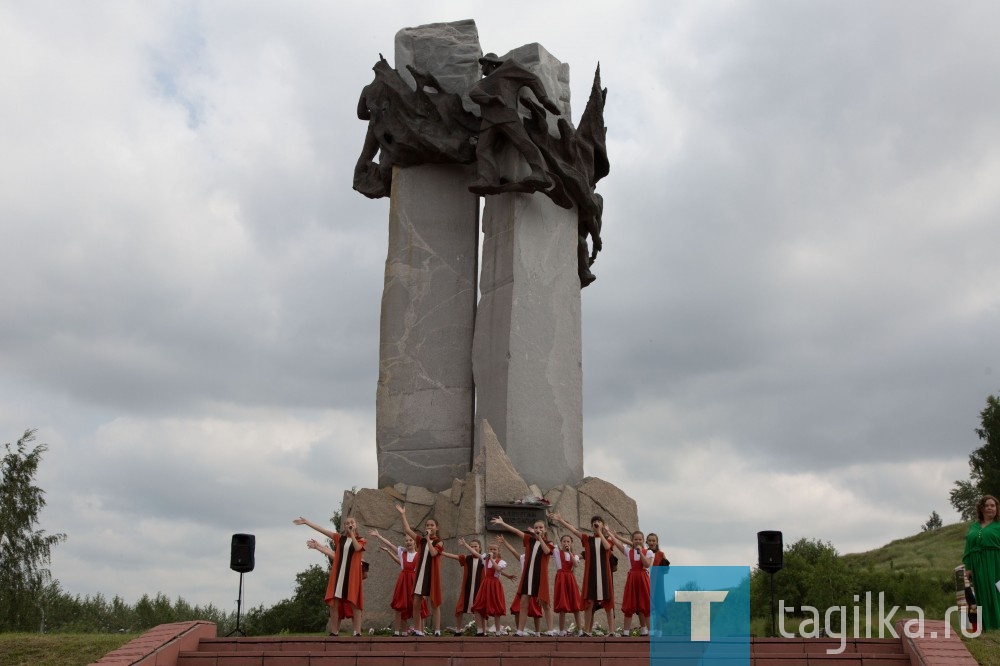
[(479, 405), (443, 135)]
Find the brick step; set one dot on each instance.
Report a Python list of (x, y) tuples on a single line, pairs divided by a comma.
[(195, 644), (509, 651), (798, 646), (403, 658), (500, 658), (426, 644)]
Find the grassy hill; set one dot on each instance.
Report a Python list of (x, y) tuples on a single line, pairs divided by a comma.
[(937, 551)]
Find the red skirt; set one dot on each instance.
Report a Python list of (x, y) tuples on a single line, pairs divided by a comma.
[(566, 593), (636, 597), (534, 608), (344, 609), (402, 596), (490, 600)]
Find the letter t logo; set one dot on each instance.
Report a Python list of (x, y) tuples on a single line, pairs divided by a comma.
[(701, 611)]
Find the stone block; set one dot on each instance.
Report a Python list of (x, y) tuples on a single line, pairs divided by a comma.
[(527, 345), (619, 509), (457, 487), (552, 496), (419, 495), (374, 508), (424, 400), (470, 508), (553, 74), (449, 51), (347, 504), (566, 504), (501, 482), (446, 515)]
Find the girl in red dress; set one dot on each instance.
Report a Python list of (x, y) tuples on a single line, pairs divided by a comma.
[(402, 596), (490, 602), (598, 590), (344, 594), (535, 579), (635, 601), (534, 608), (427, 584), (653, 546), (472, 579), (566, 595)]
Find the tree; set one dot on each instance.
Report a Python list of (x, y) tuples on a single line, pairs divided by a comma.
[(305, 612), (25, 552), (963, 497), (933, 523), (984, 464)]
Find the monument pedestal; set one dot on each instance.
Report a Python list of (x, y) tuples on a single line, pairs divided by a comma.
[(460, 511)]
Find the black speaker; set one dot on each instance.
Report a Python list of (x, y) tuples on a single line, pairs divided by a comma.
[(241, 552), (770, 551)]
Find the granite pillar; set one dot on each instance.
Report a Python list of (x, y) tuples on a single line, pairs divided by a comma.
[(424, 400), (527, 349)]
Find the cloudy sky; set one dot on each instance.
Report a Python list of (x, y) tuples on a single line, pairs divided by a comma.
[(795, 324)]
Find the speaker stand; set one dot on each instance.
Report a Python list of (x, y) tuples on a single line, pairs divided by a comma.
[(239, 607), (774, 634)]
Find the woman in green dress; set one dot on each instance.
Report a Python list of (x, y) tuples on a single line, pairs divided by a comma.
[(982, 560)]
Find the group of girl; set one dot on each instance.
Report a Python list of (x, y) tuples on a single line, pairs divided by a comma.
[(482, 593)]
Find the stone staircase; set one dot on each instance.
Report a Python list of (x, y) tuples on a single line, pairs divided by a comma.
[(189, 644)]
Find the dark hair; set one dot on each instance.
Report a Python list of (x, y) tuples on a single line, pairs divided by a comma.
[(981, 504), (654, 534), (593, 518)]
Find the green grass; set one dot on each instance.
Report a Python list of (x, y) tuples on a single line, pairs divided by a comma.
[(58, 649), (939, 550), (985, 649)]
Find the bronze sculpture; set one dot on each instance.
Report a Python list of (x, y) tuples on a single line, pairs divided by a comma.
[(407, 127)]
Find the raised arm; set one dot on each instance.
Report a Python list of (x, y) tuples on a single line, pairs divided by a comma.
[(559, 519), (503, 542), (406, 523), (603, 536), (455, 556), (498, 521), (616, 542), (374, 533), (391, 553), (465, 544), (322, 530), (316, 545)]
